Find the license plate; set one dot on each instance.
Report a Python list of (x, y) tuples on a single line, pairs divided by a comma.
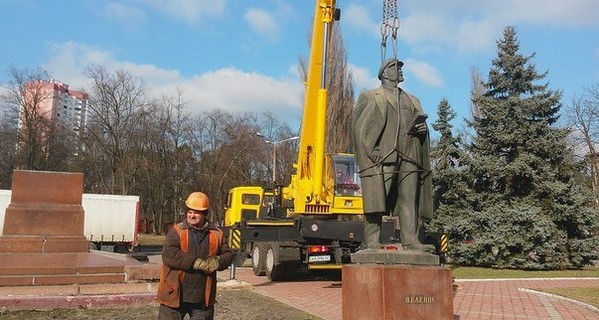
[(319, 258)]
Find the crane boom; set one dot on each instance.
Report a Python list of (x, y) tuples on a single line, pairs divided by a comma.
[(307, 184)]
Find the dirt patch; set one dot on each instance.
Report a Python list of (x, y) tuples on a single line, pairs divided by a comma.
[(232, 304)]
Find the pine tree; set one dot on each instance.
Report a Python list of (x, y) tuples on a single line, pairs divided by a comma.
[(449, 178), (525, 207)]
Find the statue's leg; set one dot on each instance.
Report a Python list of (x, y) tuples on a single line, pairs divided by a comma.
[(372, 230), (407, 209)]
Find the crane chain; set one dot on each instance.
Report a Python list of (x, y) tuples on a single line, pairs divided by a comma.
[(389, 27)]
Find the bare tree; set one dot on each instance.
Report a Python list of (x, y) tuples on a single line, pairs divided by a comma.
[(477, 88), (168, 164), (341, 93), (8, 150), (26, 97), (115, 115), (583, 118), (341, 96)]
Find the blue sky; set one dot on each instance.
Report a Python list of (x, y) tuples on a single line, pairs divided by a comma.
[(242, 55)]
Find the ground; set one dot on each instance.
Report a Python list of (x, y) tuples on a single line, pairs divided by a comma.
[(232, 304)]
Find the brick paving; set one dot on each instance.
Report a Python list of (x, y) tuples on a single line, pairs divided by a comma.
[(476, 299)]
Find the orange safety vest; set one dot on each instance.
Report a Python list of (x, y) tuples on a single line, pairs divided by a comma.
[(169, 292)]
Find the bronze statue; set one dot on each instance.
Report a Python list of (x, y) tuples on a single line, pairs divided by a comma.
[(392, 145)]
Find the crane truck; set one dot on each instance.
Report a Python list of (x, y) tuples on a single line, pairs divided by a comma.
[(316, 220)]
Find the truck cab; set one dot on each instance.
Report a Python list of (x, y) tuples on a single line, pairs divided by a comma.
[(247, 203)]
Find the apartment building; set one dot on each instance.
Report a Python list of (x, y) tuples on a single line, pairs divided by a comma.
[(56, 102)]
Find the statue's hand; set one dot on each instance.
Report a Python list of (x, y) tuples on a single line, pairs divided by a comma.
[(375, 156), (419, 129)]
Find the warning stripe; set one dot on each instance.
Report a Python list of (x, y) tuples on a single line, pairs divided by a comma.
[(235, 238), (444, 243)]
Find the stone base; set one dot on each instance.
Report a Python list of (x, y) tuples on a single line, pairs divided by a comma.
[(38, 269), (43, 244), (410, 257), (374, 291)]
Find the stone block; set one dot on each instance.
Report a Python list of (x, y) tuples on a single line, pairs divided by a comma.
[(46, 187), (15, 244), (78, 279), (43, 219), (396, 292), (408, 257), (146, 272), (66, 244)]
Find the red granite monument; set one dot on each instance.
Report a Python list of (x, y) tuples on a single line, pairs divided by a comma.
[(385, 292), (45, 214), (43, 241)]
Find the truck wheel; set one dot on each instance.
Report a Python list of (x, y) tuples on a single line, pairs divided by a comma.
[(259, 259), (275, 271)]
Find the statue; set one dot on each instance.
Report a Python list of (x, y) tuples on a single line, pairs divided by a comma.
[(392, 145)]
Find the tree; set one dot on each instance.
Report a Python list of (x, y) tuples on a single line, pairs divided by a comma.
[(527, 210), (340, 100), (167, 164), (583, 119), (450, 177), (8, 150), (41, 140), (115, 115)]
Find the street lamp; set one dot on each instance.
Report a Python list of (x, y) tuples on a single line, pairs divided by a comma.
[(274, 152)]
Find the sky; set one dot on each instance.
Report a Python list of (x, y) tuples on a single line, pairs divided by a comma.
[(243, 55)]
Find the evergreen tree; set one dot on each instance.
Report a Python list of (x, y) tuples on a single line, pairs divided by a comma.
[(450, 176), (527, 211)]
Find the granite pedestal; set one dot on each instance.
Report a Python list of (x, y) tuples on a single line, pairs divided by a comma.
[(43, 242), (393, 291)]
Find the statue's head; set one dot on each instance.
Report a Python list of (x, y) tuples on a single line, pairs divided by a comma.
[(390, 72)]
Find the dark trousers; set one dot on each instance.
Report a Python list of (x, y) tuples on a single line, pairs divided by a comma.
[(196, 311)]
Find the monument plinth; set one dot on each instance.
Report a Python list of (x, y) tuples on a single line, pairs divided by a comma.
[(43, 241), (45, 213), (396, 292)]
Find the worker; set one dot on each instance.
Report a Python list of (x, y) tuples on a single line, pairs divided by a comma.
[(392, 149), (192, 253)]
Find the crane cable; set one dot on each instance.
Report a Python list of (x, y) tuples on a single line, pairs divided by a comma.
[(389, 27)]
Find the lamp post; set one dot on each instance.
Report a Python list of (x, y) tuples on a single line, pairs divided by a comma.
[(274, 152)]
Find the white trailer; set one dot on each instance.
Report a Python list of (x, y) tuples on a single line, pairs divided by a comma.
[(111, 221)]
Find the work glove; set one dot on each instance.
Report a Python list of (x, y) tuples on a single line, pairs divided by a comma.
[(210, 264), (197, 264)]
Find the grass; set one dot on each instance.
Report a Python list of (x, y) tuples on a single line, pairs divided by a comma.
[(586, 295), (486, 273)]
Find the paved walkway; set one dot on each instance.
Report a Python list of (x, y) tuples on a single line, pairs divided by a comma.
[(477, 299)]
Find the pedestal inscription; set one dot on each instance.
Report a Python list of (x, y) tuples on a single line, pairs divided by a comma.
[(396, 292)]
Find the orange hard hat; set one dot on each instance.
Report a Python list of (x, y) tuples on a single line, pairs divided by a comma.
[(197, 201)]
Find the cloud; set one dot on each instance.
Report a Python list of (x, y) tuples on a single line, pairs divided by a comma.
[(357, 17), (262, 22), (363, 80), (130, 16), (424, 72), (470, 26), (229, 89), (191, 11)]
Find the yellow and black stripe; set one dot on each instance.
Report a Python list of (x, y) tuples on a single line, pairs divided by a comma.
[(444, 244), (235, 238)]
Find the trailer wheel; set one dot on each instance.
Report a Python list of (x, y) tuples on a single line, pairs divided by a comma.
[(275, 271), (259, 259)]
